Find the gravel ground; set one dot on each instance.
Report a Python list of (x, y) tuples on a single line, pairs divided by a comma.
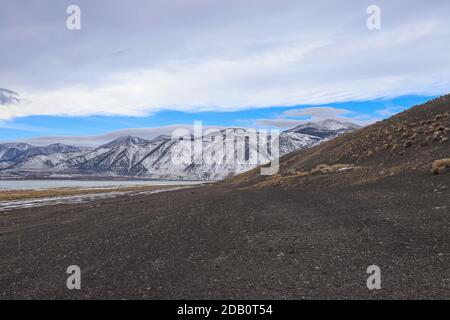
[(221, 242)]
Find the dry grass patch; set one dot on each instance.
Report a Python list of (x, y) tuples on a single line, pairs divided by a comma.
[(10, 195), (440, 166)]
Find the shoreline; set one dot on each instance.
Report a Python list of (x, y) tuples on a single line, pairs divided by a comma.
[(47, 198), (17, 195), (91, 178)]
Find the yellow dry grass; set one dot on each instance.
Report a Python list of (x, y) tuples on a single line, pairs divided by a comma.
[(440, 166), (9, 195)]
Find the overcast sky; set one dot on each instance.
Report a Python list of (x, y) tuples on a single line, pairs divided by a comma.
[(136, 58)]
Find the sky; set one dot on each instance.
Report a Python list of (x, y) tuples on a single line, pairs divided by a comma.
[(145, 67)]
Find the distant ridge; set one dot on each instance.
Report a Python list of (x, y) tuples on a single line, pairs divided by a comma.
[(325, 128), (158, 158)]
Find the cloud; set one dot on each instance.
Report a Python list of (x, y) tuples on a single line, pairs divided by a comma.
[(317, 113), (279, 123), (22, 127), (390, 111), (8, 97), (198, 55)]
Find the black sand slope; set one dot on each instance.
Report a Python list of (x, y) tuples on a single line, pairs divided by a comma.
[(365, 198)]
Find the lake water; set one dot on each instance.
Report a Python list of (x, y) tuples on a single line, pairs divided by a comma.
[(51, 184)]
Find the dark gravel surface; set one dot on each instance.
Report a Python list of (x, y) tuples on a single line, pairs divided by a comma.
[(220, 242)]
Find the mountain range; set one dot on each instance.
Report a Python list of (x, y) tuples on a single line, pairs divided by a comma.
[(159, 158)]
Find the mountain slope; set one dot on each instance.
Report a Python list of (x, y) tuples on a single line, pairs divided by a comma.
[(407, 142), (114, 158), (125, 141), (23, 156)]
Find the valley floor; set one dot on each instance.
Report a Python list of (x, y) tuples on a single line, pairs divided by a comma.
[(222, 242)]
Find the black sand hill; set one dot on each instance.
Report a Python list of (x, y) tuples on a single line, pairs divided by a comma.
[(367, 197)]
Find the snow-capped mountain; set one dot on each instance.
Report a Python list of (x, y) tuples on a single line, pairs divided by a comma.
[(125, 141), (326, 128), (11, 152), (15, 152), (292, 141), (224, 153), (116, 158)]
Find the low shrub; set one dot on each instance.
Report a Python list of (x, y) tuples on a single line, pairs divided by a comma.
[(440, 166)]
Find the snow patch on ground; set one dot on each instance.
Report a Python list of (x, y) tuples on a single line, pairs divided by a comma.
[(82, 198)]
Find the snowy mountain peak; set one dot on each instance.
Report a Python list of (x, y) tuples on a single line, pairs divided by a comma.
[(325, 128), (330, 124), (19, 146), (234, 130), (125, 141), (60, 148), (162, 137)]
